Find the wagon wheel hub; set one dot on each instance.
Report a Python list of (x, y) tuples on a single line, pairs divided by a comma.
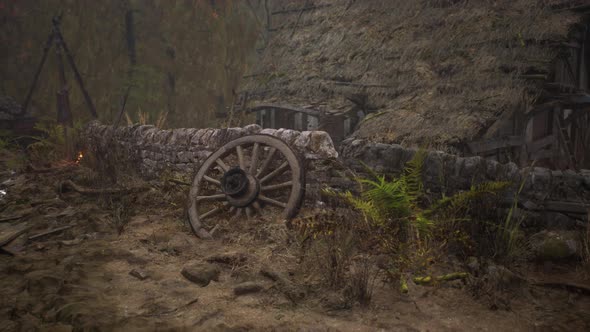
[(240, 187)]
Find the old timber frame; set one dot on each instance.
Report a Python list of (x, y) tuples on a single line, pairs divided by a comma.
[(555, 131)]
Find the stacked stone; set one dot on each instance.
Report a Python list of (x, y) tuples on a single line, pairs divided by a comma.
[(449, 173), (154, 150)]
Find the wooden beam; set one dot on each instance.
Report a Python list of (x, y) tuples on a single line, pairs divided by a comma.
[(568, 207), (496, 143), (541, 143), (284, 108), (542, 154)]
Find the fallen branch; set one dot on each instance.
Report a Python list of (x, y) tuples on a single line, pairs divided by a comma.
[(33, 169), (179, 182), (305, 8), (14, 217), (51, 231), (428, 280), (8, 235), (68, 184), (559, 284)]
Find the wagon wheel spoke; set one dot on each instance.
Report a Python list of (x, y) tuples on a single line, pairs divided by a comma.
[(277, 186), (257, 174), (266, 162), (274, 173), (212, 180), (240, 153), (272, 201), (254, 160), (222, 164), (211, 213), (257, 206)]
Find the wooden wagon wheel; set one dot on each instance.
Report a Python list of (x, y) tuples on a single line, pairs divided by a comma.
[(250, 175)]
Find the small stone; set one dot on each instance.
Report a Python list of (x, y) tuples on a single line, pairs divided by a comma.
[(473, 264), (181, 242), (247, 288), (139, 274), (501, 276), (201, 274), (555, 245)]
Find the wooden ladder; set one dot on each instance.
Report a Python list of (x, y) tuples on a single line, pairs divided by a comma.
[(567, 144)]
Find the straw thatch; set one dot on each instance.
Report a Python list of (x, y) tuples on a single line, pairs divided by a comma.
[(427, 72)]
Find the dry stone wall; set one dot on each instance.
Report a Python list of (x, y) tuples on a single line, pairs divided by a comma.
[(549, 198), (153, 150)]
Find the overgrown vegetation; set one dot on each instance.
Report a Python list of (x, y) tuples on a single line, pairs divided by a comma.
[(396, 226)]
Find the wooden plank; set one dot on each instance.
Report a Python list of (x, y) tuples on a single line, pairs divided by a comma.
[(283, 108), (542, 154), (496, 143), (568, 207), (541, 143)]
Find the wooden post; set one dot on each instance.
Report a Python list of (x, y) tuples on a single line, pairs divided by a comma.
[(64, 114)]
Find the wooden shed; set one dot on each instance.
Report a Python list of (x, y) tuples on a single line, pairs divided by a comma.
[(284, 116)]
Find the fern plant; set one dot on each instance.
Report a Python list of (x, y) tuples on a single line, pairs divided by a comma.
[(398, 200), (53, 144), (384, 202)]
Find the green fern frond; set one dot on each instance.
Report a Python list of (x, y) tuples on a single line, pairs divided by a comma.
[(462, 200), (423, 224), (412, 176)]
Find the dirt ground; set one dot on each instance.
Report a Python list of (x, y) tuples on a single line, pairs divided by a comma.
[(90, 276)]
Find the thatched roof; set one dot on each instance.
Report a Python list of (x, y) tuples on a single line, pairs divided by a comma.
[(435, 72)]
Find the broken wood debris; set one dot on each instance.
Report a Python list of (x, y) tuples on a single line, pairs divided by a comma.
[(305, 8), (49, 232), (68, 184), (11, 233), (15, 217), (428, 280)]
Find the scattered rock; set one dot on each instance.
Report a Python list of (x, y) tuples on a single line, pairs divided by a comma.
[(247, 288), (73, 242), (556, 220), (181, 242), (501, 276), (139, 274), (335, 301), (473, 264), (555, 245), (201, 274), (290, 290)]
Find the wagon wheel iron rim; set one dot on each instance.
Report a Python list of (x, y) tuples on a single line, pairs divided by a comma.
[(250, 175)]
